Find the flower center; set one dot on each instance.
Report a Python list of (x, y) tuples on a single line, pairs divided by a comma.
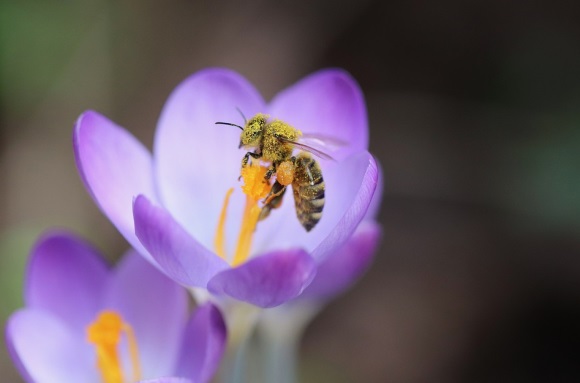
[(255, 188), (105, 334)]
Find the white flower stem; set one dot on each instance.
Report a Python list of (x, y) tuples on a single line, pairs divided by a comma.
[(280, 359), (241, 321), (234, 365), (280, 331)]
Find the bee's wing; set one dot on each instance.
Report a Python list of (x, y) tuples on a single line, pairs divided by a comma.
[(329, 143), (308, 149)]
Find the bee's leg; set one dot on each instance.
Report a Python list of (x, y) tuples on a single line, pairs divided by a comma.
[(247, 158), (273, 200), (277, 190), (271, 170)]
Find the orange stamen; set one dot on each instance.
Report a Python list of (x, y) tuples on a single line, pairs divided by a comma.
[(105, 333), (256, 188), (249, 221), (220, 235)]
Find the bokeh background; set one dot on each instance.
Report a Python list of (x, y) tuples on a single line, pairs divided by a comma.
[(474, 115)]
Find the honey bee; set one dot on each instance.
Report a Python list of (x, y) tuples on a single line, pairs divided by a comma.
[(274, 142), (305, 176)]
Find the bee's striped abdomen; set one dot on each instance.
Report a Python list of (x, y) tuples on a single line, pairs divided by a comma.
[(308, 188)]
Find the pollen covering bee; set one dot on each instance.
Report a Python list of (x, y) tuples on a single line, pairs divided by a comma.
[(273, 142)]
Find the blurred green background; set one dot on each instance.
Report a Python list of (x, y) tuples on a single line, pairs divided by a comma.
[(474, 115)]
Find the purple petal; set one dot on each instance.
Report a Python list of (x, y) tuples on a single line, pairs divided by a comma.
[(45, 350), (115, 168), (66, 277), (196, 160), (375, 205), (179, 255), (328, 103), (268, 280), (167, 380), (156, 309), (203, 344), (342, 268), (354, 184)]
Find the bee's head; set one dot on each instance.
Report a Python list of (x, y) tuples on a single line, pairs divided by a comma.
[(253, 131)]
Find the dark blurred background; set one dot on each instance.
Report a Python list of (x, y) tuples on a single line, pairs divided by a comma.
[(473, 110)]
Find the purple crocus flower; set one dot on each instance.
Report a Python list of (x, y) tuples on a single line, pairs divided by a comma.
[(169, 206), (75, 305)]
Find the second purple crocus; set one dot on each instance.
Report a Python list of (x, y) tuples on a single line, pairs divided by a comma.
[(85, 322)]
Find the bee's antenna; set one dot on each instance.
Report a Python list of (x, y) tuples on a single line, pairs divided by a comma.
[(242, 114), (229, 123)]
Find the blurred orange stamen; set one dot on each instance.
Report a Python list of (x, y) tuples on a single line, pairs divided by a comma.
[(105, 333)]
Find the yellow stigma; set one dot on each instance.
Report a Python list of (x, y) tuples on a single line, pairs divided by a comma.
[(255, 188), (105, 334)]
